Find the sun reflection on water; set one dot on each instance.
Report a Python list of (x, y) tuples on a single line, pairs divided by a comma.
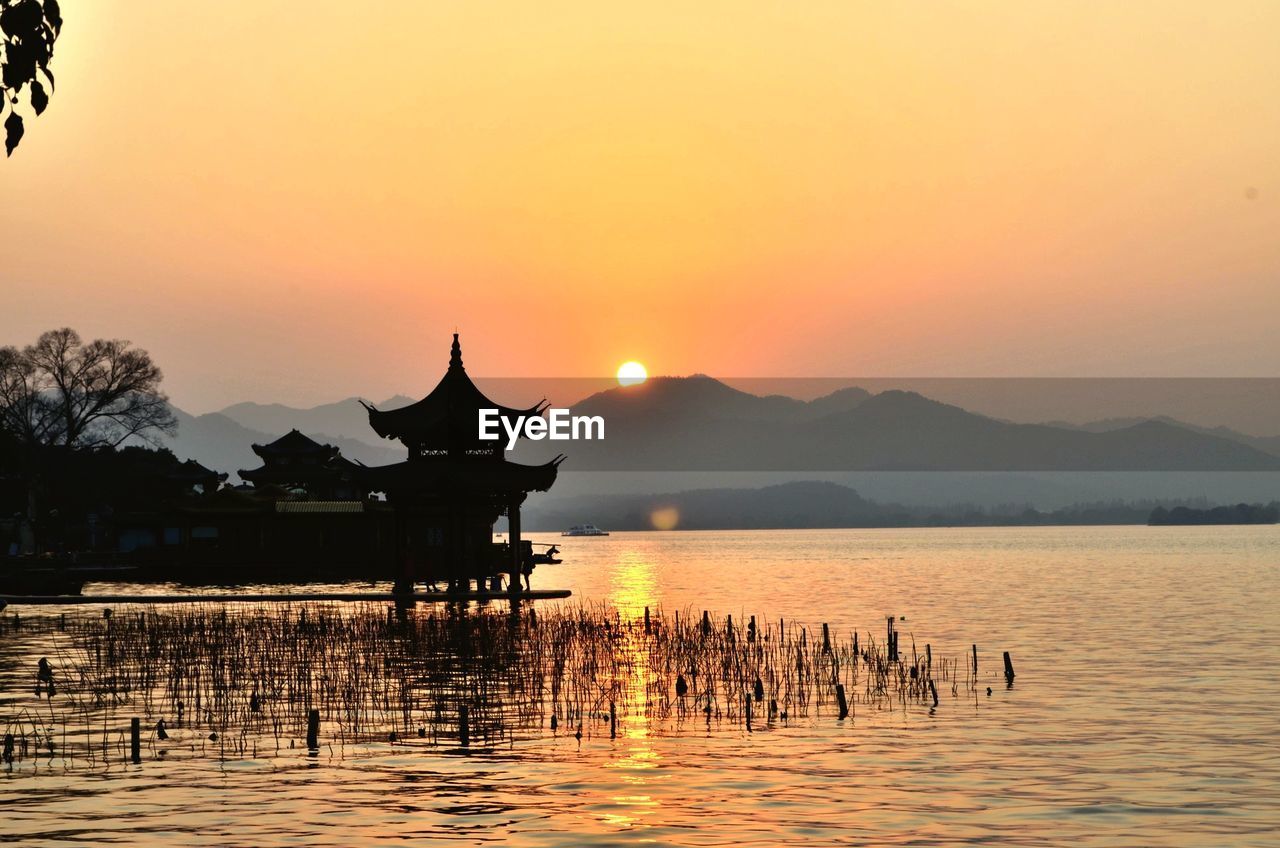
[(633, 584), (633, 587)]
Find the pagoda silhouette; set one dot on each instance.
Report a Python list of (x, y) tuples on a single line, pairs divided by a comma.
[(452, 488), (295, 461)]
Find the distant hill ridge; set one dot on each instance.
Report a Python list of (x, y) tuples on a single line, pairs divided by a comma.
[(1266, 444), (700, 423), (344, 419), (218, 442)]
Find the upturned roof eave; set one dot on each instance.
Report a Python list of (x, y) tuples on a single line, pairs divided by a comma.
[(454, 397)]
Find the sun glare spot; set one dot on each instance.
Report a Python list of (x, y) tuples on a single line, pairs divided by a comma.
[(631, 373), (665, 518)]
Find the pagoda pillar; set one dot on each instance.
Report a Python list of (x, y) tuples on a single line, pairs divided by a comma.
[(513, 537)]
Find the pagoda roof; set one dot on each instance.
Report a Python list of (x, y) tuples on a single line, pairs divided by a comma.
[(192, 471), (448, 414), (329, 465), (460, 476), (295, 443)]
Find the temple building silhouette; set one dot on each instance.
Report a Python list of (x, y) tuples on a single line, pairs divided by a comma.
[(309, 513), (299, 464), (451, 490)]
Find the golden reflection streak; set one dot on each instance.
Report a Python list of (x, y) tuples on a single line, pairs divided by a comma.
[(632, 588)]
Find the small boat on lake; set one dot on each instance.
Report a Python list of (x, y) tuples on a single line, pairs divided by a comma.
[(585, 530)]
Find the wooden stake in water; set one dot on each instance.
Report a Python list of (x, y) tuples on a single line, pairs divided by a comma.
[(313, 730), (464, 730), (1008, 668), (135, 740), (975, 662), (613, 721), (840, 699)]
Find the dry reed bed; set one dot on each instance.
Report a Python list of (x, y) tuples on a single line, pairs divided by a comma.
[(243, 682)]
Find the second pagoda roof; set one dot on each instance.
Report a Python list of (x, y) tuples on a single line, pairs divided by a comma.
[(295, 443)]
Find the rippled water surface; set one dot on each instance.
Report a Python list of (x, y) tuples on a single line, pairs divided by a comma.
[(1145, 712)]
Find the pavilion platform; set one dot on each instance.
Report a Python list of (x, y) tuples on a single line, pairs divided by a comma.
[(284, 597)]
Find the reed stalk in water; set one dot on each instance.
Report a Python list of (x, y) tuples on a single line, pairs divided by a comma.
[(259, 681)]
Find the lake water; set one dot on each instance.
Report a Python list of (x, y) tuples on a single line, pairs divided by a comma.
[(1145, 712)]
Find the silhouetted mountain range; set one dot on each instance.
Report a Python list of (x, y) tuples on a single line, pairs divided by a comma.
[(343, 419), (222, 444), (1266, 444), (699, 423)]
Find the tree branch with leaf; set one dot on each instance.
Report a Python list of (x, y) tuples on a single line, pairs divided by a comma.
[(28, 29)]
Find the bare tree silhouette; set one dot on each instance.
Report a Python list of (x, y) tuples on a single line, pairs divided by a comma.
[(61, 392), (60, 395), (28, 29)]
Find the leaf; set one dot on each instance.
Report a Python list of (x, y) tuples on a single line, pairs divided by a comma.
[(23, 19), (11, 77), (39, 100), (42, 48), (19, 64), (12, 132), (9, 20), (53, 14)]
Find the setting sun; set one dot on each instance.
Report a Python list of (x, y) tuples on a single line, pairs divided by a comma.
[(632, 373)]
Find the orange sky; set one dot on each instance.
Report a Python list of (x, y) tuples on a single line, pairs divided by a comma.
[(299, 201)]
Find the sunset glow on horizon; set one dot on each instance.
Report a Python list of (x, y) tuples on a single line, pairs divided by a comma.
[(299, 207)]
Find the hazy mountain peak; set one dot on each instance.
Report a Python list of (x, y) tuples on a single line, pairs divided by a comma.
[(395, 402), (700, 422), (902, 402), (697, 396)]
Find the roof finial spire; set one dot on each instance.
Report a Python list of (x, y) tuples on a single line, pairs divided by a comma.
[(455, 356)]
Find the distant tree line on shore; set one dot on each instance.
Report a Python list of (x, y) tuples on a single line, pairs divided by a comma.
[(814, 505), (1237, 514)]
